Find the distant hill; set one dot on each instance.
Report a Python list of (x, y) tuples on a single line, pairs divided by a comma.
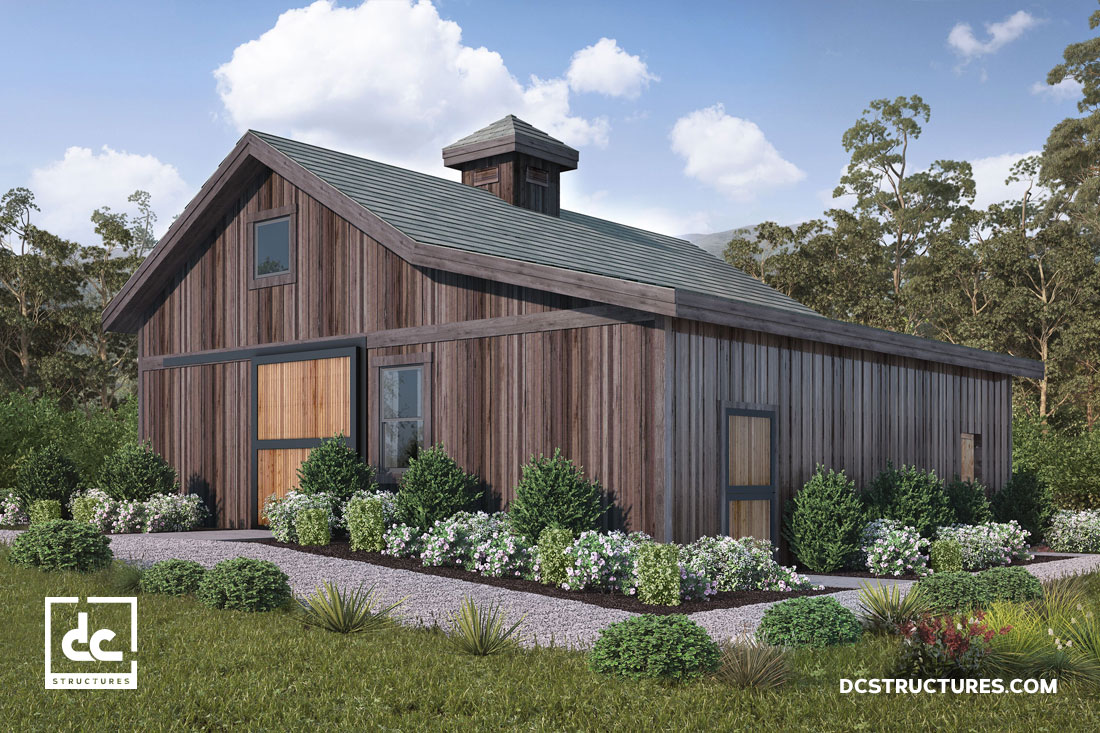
[(716, 242)]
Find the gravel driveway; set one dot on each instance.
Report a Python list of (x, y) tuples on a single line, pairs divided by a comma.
[(430, 599)]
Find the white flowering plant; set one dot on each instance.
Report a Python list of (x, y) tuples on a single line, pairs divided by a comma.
[(602, 562), (282, 514), (741, 564), (893, 549), (1074, 531), (451, 541), (401, 540), (11, 510), (174, 512), (989, 544), (129, 517), (504, 552)]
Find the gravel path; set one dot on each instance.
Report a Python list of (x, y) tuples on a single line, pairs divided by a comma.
[(430, 599)]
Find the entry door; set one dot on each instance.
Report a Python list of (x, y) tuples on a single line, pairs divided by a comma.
[(749, 500), (298, 400)]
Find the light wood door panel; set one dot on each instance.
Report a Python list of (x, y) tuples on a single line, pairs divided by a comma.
[(750, 458), (751, 518), (303, 399), (276, 474)]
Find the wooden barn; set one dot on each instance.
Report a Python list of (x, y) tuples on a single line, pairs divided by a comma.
[(306, 293)]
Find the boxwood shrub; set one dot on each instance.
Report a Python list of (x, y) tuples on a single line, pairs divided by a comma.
[(810, 621), (366, 523), (553, 542), (244, 584), (657, 568), (553, 492), (135, 472), (173, 577), (313, 527), (46, 473), (434, 487), (647, 646), (61, 545), (1009, 584), (946, 556), (335, 468), (957, 592), (968, 501), (45, 510), (825, 521), (1027, 499), (913, 497)]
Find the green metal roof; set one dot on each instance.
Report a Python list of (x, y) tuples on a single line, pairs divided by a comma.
[(504, 129), (436, 211)]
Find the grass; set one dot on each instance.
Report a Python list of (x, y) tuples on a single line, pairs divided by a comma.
[(203, 669)]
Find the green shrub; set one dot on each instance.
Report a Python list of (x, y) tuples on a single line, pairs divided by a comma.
[(173, 577), (825, 522), (244, 584), (61, 545), (552, 560), (45, 510), (946, 556), (135, 472), (46, 473), (335, 468), (1009, 584), (810, 621), (647, 646), (1027, 500), (952, 592), (84, 508), (313, 527), (1066, 460), (658, 570), (553, 492), (366, 524), (968, 501), (913, 497), (434, 487)]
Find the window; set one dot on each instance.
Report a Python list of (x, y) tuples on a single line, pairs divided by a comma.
[(271, 247), (402, 400), (401, 403)]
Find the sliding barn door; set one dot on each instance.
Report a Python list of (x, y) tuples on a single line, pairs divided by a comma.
[(298, 401), (749, 506)]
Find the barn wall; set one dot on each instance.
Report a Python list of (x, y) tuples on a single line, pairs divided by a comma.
[(347, 283), (843, 408), (594, 392)]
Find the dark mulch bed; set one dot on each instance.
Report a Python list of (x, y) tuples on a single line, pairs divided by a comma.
[(864, 574), (618, 601)]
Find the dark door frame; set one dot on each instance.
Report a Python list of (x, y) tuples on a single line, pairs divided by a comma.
[(354, 439), (728, 493)]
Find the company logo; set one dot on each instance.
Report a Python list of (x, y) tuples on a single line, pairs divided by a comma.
[(99, 653)]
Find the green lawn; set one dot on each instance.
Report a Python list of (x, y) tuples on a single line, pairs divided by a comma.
[(219, 670)]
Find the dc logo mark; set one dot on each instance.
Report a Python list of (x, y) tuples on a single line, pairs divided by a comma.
[(94, 649)]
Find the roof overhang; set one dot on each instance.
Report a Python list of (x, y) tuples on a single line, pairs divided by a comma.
[(126, 312), (564, 156)]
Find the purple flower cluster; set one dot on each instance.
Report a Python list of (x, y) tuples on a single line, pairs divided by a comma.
[(401, 540), (11, 512), (602, 562), (695, 586), (895, 550)]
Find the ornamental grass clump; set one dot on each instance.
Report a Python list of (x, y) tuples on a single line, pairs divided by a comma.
[(61, 545), (552, 558), (483, 630), (946, 556), (1069, 531), (892, 549), (910, 496), (313, 527), (45, 510), (885, 609), (434, 487), (658, 647), (990, 544), (749, 664), (244, 584), (345, 611), (809, 621), (825, 522), (365, 518), (553, 492), (173, 577), (658, 571), (335, 469)]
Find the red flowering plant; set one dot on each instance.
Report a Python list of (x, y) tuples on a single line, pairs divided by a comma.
[(945, 647)]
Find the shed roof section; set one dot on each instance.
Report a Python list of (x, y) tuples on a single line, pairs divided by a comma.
[(436, 211)]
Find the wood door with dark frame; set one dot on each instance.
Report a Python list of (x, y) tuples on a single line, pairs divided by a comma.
[(749, 483), (298, 400)]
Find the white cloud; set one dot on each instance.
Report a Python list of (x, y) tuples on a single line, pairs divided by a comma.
[(989, 179), (730, 154), (962, 38), (390, 80), (605, 68), (69, 190), (632, 213), (1065, 90)]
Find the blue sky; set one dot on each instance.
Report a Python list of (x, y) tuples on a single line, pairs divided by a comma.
[(103, 98)]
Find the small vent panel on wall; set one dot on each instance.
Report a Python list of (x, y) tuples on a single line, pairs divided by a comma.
[(486, 176), (538, 176)]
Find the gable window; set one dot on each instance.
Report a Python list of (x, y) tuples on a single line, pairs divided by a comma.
[(402, 398), (271, 247)]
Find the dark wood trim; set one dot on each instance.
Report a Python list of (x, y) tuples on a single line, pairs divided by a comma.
[(458, 331), (425, 360), (562, 154), (255, 281)]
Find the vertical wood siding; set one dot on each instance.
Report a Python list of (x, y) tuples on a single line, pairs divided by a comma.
[(843, 408)]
